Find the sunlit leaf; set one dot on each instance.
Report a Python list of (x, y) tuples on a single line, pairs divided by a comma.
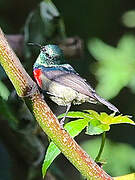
[(116, 66), (101, 122), (75, 114), (105, 118), (75, 127), (95, 123), (93, 114)]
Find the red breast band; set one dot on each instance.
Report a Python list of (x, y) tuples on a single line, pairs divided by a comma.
[(37, 73)]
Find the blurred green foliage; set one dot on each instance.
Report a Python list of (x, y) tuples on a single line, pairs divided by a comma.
[(116, 65), (4, 92), (128, 18), (119, 157)]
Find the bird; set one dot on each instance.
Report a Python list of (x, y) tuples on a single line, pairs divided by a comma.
[(61, 82)]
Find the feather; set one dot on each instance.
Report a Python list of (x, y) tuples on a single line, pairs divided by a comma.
[(105, 102), (67, 76)]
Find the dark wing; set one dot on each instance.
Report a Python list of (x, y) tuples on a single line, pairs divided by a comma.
[(67, 76)]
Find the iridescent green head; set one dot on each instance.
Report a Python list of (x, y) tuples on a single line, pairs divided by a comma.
[(50, 55)]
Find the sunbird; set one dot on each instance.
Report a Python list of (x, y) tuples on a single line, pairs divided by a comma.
[(61, 82)]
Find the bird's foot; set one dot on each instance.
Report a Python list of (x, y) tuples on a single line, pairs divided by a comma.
[(62, 122)]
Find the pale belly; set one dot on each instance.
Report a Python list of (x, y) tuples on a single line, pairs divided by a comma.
[(63, 95)]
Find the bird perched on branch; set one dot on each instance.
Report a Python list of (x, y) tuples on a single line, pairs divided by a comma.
[(61, 82)]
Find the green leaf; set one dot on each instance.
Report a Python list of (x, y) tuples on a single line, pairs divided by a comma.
[(75, 114), (115, 66), (97, 124), (101, 122), (52, 152), (105, 118), (93, 114), (110, 119), (96, 127), (75, 127)]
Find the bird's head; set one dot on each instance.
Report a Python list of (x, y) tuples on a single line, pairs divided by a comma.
[(50, 55)]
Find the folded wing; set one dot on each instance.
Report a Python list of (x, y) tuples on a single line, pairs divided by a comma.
[(67, 76)]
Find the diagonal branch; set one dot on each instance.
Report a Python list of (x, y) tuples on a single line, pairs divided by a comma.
[(27, 89)]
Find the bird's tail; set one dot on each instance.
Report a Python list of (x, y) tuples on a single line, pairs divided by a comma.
[(105, 102)]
